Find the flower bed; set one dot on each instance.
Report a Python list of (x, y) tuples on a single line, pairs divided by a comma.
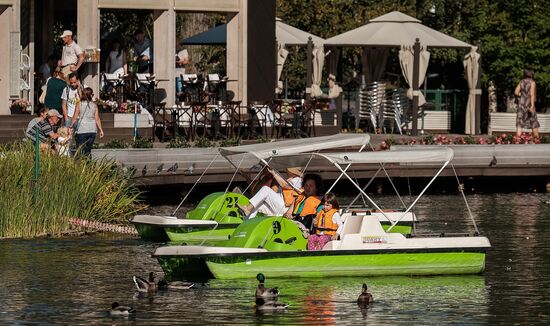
[(110, 106), (525, 138), (21, 106)]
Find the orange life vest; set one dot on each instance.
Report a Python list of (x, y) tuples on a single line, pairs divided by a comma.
[(325, 223), (308, 205), (290, 195)]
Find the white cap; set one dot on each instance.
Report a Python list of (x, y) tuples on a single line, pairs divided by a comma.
[(66, 33)]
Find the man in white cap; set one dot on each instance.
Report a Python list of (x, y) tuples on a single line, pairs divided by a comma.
[(72, 57)]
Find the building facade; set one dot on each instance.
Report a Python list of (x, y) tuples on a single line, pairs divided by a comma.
[(27, 42)]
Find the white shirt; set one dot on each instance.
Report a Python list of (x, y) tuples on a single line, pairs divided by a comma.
[(70, 54), (180, 70), (295, 182), (116, 61), (71, 96)]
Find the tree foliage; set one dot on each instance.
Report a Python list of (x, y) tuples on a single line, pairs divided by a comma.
[(513, 35)]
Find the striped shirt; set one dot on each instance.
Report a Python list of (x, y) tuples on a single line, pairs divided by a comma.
[(44, 131)]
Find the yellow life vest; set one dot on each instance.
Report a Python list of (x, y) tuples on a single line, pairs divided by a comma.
[(325, 223)]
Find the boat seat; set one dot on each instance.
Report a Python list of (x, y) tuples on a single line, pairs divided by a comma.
[(371, 226), (352, 225)]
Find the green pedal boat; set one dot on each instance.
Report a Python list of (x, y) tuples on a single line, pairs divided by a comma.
[(276, 246)]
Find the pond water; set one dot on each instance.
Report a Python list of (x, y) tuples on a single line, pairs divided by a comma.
[(74, 280)]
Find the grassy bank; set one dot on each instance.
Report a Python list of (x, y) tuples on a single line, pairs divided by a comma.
[(86, 189)]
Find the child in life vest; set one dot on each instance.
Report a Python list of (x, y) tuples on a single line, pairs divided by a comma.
[(328, 224)]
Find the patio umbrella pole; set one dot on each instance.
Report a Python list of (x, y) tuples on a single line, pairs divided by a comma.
[(477, 130), (416, 68), (309, 65)]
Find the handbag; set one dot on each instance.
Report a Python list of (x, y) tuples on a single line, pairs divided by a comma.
[(42, 98)]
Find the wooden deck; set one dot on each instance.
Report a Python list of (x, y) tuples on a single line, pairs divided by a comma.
[(469, 161)]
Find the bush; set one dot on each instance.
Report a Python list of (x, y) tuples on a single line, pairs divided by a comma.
[(228, 142), (203, 142), (67, 188), (116, 143), (142, 143), (178, 142)]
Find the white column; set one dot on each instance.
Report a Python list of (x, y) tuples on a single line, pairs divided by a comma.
[(237, 52), (164, 54), (88, 37), (5, 13)]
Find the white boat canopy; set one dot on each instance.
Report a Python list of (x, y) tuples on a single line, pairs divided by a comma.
[(403, 157), (342, 161), (246, 156)]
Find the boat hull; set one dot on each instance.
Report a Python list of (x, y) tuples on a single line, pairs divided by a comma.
[(330, 264), (187, 235), (151, 232)]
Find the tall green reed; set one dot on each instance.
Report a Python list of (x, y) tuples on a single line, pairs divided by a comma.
[(87, 189)]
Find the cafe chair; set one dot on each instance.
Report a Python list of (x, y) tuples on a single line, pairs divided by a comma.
[(371, 105)]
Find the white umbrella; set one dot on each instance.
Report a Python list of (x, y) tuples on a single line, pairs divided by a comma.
[(290, 35), (471, 67), (318, 62), (406, 60), (392, 30)]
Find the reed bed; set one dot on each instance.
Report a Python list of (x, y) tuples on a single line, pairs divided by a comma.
[(67, 188)]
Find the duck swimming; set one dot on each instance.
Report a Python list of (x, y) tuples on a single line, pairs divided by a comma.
[(266, 298), (176, 285), (144, 285), (262, 291), (365, 298), (263, 305), (118, 310)]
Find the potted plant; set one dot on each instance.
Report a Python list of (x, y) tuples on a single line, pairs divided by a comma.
[(21, 106)]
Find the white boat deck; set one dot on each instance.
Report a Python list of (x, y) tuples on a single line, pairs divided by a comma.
[(171, 221), (409, 217), (202, 250)]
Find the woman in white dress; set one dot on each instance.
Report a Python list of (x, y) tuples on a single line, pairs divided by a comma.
[(116, 61)]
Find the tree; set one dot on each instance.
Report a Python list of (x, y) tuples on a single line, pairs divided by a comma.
[(513, 35)]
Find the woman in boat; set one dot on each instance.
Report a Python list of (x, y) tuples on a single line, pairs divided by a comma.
[(305, 206), (272, 202), (291, 187), (328, 224)]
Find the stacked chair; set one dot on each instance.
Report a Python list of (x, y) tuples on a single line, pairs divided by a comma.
[(371, 105), (396, 110)]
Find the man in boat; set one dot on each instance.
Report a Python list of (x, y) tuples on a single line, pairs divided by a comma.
[(273, 202), (306, 206)]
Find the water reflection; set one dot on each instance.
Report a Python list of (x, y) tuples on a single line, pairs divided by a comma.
[(74, 281)]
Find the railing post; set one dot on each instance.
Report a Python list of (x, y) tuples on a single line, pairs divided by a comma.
[(36, 158)]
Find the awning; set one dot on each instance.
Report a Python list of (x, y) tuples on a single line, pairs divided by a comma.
[(246, 156), (398, 157), (393, 30), (285, 34)]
